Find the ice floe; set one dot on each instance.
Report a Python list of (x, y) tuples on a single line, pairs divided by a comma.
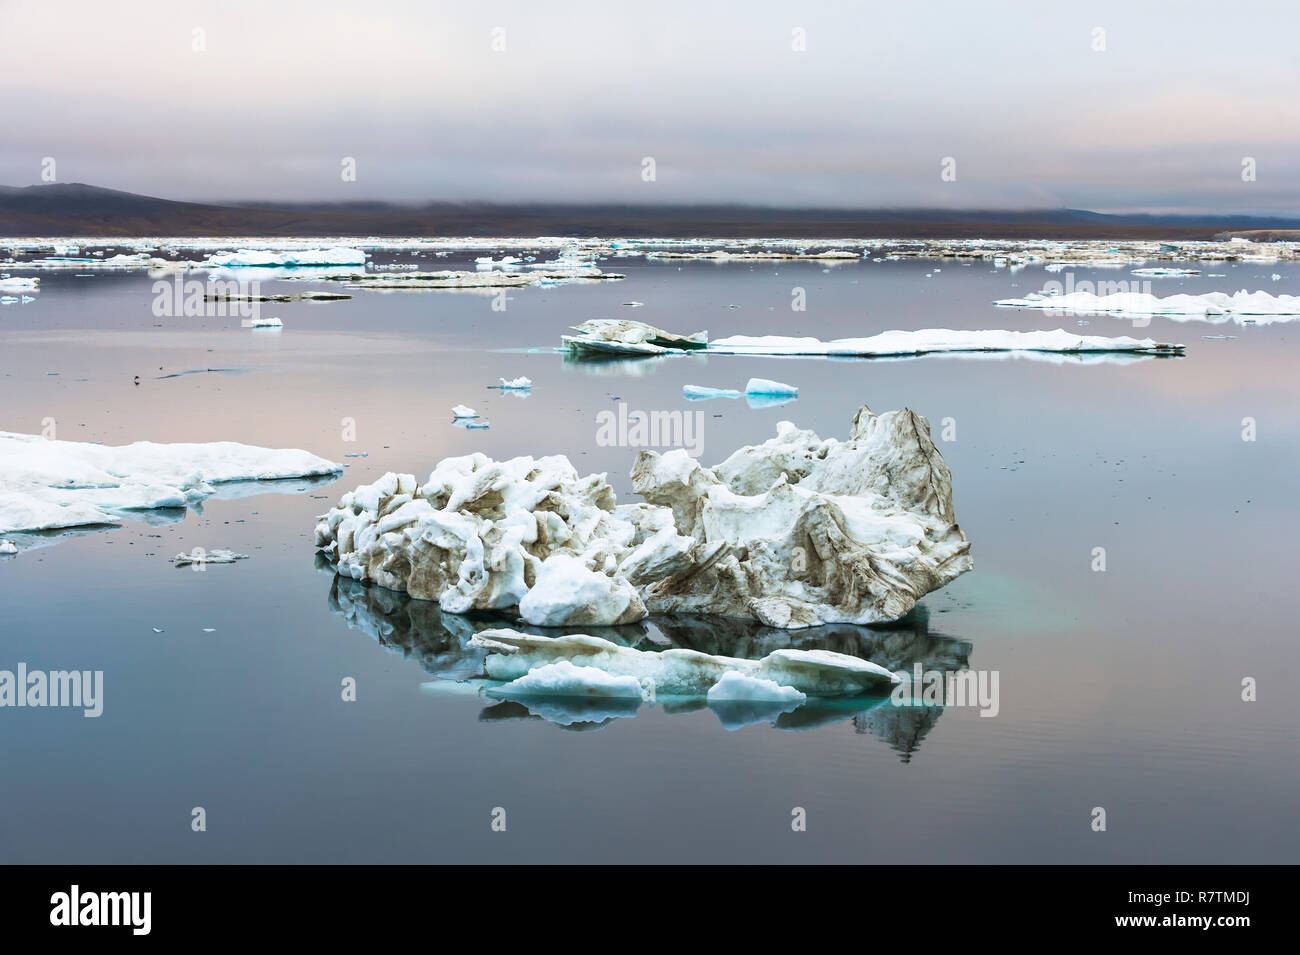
[(247, 258), (795, 532), (1261, 307), (634, 339), (704, 393), (734, 687), (47, 484), (463, 411), (564, 679), (624, 336), (516, 384), (200, 557), (932, 340), (19, 284), (512, 656), (768, 388)]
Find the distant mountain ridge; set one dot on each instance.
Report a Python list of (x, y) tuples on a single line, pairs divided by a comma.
[(77, 209)]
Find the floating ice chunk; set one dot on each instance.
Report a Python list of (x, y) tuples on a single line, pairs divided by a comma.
[(1210, 306), (19, 284), (626, 336), (562, 678), (487, 262), (201, 556), (1165, 273), (516, 384), (765, 386), (47, 484), (567, 594), (703, 393), (680, 672), (463, 411), (876, 510), (246, 258), (8, 547), (736, 686), (262, 323), (930, 340)]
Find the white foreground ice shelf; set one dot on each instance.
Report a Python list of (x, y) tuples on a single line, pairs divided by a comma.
[(48, 484)]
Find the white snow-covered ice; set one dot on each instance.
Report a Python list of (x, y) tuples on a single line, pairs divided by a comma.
[(678, 672), (931, 340), (46, 484), (293, 258), (768, 387), (1259, 307), (703, 392), (794, 532)]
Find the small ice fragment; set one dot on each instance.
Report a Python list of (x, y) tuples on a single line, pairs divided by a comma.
[(703, 392), (736, 686), (209, 629), (8, 547), (463, 411), (516, 384), (765, 386), (262, 323), (563, 679), (201, 556), (156, 630)]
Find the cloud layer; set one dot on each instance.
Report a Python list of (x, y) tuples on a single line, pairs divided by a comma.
[(563, 102)]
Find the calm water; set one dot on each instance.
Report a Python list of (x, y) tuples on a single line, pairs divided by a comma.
[(1119, 689)]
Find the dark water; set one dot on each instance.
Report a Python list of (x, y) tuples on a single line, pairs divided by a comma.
[(1118, 689)]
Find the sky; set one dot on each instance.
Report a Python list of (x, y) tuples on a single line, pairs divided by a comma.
[(1136, 106)]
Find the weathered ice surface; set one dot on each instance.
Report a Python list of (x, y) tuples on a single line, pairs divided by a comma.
[(480, 534), (794, 532), (802, 530), (618, 335)]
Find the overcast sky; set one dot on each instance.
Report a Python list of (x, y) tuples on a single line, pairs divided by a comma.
[(1160, 120)]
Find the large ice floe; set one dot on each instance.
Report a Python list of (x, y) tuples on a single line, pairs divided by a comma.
[(1243, 306), (248, 258), (628, 338), (47, 484), (794, 532), (529, 665)]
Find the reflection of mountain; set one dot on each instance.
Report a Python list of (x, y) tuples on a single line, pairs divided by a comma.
[(439, 643)]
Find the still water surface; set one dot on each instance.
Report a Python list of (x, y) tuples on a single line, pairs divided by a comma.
[(1118, 689)]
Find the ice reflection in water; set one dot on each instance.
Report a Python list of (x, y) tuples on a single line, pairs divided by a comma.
[(438, 641)]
